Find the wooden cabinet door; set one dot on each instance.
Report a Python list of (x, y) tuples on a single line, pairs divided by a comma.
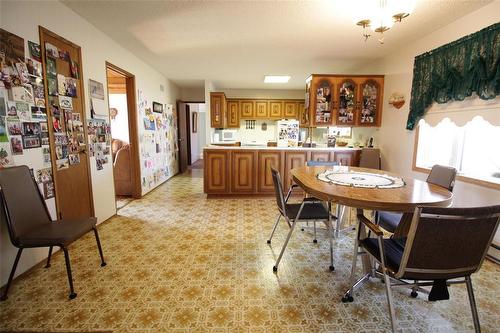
[(349, 158), (261, 110), (291, 110), (266, 159), (216, 171), (276, 109), (243, 171), (293, 159), (370, 102), (247, 109), (217, 107), (303, 115), (348, 102), (323, 101), (323, 156), (233, 114)]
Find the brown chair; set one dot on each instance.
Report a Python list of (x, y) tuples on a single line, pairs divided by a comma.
[(430, 254), (440, 175), (29, 224), (124, 184), (309, 210), (370, 158)]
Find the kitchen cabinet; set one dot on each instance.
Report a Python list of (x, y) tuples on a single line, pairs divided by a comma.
[(243, 169), (343, 100), (247, 109), (323, 156), (266, 160), (347, 158), (216, 168), (276, 109), (233, 114), (261, 110), (293, 159), (291, 109), (304, 116), (217, 109)]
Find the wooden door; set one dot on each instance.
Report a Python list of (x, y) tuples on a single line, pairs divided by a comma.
[(266, 160), (183, 135), (276, 109), (243, 171), (233, 117), (217, 109), (216, 172), (247, 109), (323, 156), (72, 184), (290, 110), (293, 159), (261, 110)]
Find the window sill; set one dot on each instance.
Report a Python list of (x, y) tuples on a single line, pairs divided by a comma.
[(464, 179)]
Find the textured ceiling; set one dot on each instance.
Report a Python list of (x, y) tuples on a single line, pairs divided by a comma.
[(236, 43)]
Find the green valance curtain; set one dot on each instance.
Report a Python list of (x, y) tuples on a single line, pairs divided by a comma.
[(456, 70)]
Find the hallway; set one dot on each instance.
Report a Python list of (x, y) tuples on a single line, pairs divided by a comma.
[(179, 262)]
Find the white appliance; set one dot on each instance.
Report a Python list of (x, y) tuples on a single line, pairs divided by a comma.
[(229, 135), (288, 133)]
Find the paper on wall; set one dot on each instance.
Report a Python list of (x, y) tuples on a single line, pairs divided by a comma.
[(99, 108)]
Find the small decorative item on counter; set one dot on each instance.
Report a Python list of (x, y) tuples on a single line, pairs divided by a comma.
[(331, 140), (397, 100)]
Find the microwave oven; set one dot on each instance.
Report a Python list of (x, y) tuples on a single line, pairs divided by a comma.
[(229, 135)]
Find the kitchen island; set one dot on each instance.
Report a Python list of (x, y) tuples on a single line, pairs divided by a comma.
[(234, 171)]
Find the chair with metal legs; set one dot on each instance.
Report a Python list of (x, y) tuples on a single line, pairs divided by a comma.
[(309, 210), (29, 223), (430, 255)]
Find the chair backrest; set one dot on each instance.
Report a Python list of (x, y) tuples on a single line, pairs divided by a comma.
[(22, 203), (278, 190), (321, 163), (443, 176), (445, 243), (370, 158)]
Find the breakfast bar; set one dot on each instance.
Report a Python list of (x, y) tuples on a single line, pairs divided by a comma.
[(236, 171)]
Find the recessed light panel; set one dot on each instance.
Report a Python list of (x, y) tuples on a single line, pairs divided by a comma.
[(276, 78)]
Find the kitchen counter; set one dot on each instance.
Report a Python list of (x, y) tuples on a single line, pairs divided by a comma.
[(246, 170)]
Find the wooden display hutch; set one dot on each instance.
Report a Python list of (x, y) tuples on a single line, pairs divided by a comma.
[(343, 100)]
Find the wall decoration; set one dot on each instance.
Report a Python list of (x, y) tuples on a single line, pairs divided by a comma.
[(48, 190), (34, 50), (31, 141), (71, 87), (31, 128), (38, 113), (74, 69), (14, 126), (397, 100), (52, 84), (194, 123), (43, 175), (65, 102), (3, 130), (12, 47), (22, 72), (157, 107), (62, 164), (64, 55), (23, 94), (96, 89), (11, 109), (23, 111), (149, 124), (6, 159), (51, 50), (39, 95), (3, 103), (16, 145), (74, 159), (51, 66)]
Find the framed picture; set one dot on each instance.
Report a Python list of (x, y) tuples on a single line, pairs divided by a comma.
[(31, 141), (157, 107), (195, 122)]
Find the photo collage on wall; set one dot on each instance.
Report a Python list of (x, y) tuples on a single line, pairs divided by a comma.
[(67, 125), (157, 141), (23, 116), (98, 127)]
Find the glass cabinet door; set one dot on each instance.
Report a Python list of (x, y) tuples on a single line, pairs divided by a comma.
[(370, 103), (347, 103), (323, 107)]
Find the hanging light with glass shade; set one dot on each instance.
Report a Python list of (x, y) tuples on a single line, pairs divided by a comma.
[(380, 15)]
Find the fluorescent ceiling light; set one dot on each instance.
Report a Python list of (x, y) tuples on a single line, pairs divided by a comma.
[(276, 78)]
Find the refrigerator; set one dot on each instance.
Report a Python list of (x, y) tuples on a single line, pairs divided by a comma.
[(288, 133)]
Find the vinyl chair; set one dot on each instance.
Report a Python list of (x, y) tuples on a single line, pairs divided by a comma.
[(309, 210), (340, 211), (370, 158), (440, 175), (430, 253), (29, 224)]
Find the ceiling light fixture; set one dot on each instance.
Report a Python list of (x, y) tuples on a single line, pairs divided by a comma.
[(380, 15), (276, 78)]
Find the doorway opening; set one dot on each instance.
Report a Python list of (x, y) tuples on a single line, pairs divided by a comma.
[(124, 143), (192, 134)]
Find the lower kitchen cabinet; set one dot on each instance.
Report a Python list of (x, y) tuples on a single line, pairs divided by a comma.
[(243, 171), (216, 168), (266, 160)]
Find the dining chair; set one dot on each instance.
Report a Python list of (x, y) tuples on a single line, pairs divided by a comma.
[(430, 254), (370, 158), (440, 175), (29, 223), (308, 210)]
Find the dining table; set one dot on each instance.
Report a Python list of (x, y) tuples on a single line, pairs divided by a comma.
[(372, 190)]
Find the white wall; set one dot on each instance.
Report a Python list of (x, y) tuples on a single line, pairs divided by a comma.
[(193, 94), (265, 93), (119, 125), (22, 18), (395, 141)]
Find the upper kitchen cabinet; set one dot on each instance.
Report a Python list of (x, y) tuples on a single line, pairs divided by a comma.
[(233, 114), (217, 109), (247, 109), (291, 109), (343, 100), (276, 109), (261, 109)]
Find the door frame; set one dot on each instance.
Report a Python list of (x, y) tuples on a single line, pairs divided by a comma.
[(132, 126)]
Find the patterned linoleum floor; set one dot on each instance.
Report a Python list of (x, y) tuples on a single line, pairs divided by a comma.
[(178, 262)]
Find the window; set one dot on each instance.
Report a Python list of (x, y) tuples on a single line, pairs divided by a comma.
[(472, 148)]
